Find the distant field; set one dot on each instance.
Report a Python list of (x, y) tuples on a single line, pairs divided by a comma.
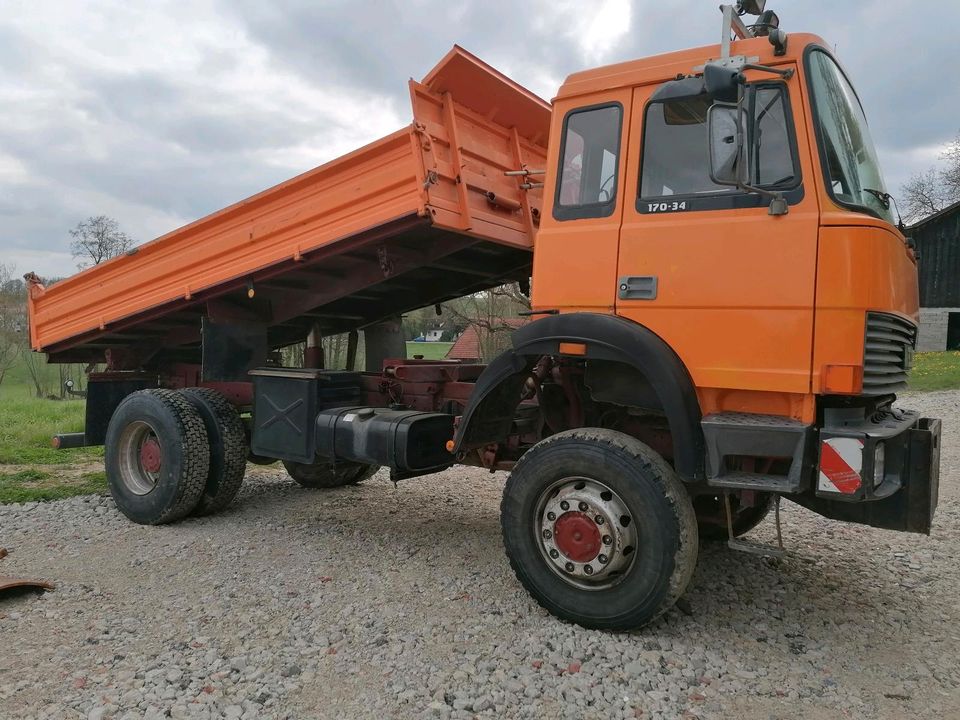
[(429, 350)]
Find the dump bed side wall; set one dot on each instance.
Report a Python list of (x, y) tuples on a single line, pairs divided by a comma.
[(363, 189), (446, 167)]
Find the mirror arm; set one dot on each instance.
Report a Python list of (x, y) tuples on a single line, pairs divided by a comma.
[(778, 203), (785, 74)]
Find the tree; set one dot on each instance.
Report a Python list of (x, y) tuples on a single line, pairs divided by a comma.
[(931, 191), (97, 239), (13, 321), (493, 314)]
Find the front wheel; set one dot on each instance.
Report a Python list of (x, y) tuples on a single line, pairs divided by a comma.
[(599, 529)]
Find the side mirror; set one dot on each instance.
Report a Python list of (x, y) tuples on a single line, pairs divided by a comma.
[(726, 132)]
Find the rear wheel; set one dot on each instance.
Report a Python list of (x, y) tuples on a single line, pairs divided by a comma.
[(228, 449), (157, 456), (599, 529), (325, 474)]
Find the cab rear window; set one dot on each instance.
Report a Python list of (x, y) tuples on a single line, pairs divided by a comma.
[(589, 160)]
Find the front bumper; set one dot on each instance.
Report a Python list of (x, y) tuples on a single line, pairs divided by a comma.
[(906, 498)]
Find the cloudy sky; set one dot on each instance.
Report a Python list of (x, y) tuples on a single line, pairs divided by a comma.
[(159, 113)]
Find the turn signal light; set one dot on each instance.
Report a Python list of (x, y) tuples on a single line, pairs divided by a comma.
[(572, 348), (842, 379)]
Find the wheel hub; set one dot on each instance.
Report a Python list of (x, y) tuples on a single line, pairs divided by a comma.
[(586, 532), (577, 536), (140, 457), (150, 456)]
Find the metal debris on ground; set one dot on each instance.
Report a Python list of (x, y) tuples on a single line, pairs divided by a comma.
[(8, 583)]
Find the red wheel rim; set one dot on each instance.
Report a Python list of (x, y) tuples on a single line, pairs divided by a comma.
[(150, 457)]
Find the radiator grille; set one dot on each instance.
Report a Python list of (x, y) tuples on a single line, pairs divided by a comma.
[(887, 353)]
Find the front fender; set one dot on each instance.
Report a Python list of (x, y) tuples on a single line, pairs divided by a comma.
[(489, 413)]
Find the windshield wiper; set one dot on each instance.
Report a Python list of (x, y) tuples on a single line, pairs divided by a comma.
[(883, 197)]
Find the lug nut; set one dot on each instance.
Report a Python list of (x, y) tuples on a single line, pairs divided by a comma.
[(547, 534), (583, 507), (588, 569), (564, 505), (568, 567), (607, 540), (554, 554), (602, 558), (551, 516), (598, 519)]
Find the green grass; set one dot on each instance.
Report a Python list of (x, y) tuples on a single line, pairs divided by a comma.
[(429, 350), (39, 485), (28, 423), (935, 371)]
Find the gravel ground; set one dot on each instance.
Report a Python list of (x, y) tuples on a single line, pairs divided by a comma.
[(377, 601)]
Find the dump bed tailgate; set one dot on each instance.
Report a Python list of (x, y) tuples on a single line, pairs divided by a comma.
[(390, 211)]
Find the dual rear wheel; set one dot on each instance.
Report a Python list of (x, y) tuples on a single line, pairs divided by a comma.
[(172, 453)]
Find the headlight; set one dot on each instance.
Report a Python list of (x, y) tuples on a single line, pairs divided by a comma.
[(878, 462)]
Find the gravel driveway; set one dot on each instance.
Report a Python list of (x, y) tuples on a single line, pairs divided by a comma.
[(377, 601)]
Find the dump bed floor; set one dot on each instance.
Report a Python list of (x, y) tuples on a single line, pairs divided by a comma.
[(423, 215)]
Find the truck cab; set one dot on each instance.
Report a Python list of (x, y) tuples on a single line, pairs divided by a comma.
[(789, 294), (766, 311)]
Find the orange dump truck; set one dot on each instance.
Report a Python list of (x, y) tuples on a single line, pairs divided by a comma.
[(723, 310)]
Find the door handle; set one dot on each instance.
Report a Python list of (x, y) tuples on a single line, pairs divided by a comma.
[(637, 287)]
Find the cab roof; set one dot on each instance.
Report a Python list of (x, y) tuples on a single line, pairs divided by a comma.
[(660, 68)]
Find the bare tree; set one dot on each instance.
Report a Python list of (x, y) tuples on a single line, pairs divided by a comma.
[(924, 194), (951, 171), (13, 320), (493, 315), (36, 366), (938, 187), (97, 239)]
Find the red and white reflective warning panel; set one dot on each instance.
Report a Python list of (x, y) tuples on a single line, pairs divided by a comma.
[(841, 460)]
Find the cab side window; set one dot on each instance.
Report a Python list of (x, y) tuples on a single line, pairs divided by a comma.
[(676, 163), (589, 155)]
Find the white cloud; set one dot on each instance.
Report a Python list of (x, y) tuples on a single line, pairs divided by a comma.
[(603, 32)]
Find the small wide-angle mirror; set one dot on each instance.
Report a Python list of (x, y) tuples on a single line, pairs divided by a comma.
[(725, 133), (722, 82)]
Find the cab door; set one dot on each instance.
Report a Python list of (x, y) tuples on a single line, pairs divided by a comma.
[(575, 263), (727, 285)]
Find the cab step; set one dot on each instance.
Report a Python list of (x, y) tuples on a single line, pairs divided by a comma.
[(733, 434)]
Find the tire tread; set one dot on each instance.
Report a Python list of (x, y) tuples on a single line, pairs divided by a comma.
[(220, 492), (685, 557)]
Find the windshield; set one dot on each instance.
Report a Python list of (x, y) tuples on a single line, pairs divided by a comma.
[(853, 172)]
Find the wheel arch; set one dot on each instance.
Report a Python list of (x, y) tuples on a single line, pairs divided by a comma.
[(489, 412)]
